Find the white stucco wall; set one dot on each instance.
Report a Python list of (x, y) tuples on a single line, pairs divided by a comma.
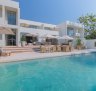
[(62, 29), (9, 3), (38, 31), (37, 23), (78, 28), (90, 43)]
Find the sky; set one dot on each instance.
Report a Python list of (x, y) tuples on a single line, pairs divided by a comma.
[(56, 11)]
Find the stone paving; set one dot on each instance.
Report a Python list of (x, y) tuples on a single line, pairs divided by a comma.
[(35, 55)]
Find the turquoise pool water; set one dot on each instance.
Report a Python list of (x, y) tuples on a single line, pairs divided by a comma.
[(68, 73)]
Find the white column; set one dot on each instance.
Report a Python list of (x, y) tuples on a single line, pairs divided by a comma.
[(66, 29), (3, 22), (18, 38), (18, 17), (18, 41), (3, 14), (4, 39)]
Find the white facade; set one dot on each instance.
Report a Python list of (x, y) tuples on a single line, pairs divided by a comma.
[(90, 44), (71, 29), (10, 17), (40, 30), (5, 7)]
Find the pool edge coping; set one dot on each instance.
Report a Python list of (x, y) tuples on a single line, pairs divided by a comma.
[(43, 57)]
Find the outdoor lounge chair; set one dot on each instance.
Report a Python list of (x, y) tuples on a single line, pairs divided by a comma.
[(4, 53)]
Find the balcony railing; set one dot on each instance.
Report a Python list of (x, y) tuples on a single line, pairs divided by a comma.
[(74, 24)]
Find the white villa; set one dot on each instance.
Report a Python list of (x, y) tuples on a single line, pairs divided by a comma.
[(10, 18)]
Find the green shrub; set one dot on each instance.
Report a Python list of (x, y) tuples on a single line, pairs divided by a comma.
[(78, 41), (92, 35)]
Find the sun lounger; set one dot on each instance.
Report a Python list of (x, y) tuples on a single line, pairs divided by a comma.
[(4, 53)]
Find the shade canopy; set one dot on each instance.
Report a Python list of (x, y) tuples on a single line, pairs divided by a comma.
[(5, 30), (65, 37)]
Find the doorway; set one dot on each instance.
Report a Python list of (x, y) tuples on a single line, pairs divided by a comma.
[(11, 40)]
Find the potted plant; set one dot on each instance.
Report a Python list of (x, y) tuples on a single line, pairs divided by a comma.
[(23, 41), (79, 44)]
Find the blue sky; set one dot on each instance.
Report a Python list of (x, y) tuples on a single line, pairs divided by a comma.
[(56, 11)]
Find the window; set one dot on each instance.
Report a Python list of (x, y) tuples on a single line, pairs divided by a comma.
[(95, 44), (11, 16), (29, 26), (0, 36), (48, 28), (24, 25), (34, 26), (70, 32)]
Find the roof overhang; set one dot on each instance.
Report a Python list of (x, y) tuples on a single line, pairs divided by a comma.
[(5, 30)]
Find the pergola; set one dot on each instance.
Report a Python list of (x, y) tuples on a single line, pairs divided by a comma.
[(5, 30)]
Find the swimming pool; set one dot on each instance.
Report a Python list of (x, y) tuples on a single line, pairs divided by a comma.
[(67, 73)]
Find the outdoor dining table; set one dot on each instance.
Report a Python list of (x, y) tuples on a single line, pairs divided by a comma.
[(54, 48), (48, 48)]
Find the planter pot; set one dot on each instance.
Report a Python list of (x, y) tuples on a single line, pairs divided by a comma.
[(29, 44), (23, 43)]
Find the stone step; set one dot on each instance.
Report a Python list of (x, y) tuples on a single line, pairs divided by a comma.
[(18, 49)]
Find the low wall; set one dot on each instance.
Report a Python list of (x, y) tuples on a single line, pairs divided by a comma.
[(90, 44)]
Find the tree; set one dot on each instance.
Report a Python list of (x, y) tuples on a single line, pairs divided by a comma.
[(89, 22), (92, 35)]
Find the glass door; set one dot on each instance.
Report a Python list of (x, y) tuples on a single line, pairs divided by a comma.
[(11, 40)]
